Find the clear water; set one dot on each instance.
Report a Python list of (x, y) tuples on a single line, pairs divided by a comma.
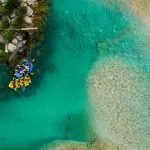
[(53, 107)]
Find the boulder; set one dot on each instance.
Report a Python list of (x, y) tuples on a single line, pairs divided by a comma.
[(29, 11), (28, 20), (19, 38), (10, 47), (31, 2), (20, 44), (15, 41)]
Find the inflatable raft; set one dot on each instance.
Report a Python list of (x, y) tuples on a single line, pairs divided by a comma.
[(20, 83)]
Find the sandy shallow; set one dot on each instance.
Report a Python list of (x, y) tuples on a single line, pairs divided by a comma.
[(71, 145), (140, 8), (121, 94)]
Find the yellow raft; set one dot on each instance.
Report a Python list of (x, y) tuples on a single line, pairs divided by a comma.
[(19, 83)]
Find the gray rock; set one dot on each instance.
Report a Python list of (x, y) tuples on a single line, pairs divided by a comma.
[(31, 2), (19, 38), (13, 15), (15, 41), (24, 4), (28, 20), (29, 11), (11, 47), (24, 42), (19, 45)]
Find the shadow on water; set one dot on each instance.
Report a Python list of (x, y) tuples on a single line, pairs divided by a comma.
[(41, 65)]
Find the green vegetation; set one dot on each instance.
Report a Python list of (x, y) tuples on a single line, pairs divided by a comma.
[(12, 5), (8, 35), (19, 21)]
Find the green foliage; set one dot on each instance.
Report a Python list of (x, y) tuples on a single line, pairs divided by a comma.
[(2, 47), (19, 21), (5, 24), (1, 24), (2, 9), (8, 35), (12, 5)]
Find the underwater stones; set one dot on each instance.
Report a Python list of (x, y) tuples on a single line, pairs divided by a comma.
[(120, 94), (29, 11), (28, 20)]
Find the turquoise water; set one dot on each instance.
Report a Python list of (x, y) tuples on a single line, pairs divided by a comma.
[(53, 107)]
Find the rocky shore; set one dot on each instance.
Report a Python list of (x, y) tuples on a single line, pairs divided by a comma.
[(20, 21)]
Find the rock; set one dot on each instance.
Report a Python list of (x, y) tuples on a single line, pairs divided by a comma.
[(29, 11), (11, 47), (28, 20), (2, 1), (24, 4), (19, 37), (31, 2), (1, 39), (15, 41), (24, 42), (13, 15), (20, 44), (6, 49)]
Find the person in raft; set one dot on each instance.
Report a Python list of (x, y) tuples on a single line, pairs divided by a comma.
[(24, 69)]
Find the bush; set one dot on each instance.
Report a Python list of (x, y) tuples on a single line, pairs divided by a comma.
[(19, 21), (5, 24), (12, 5), (8, 35), (2, 47)]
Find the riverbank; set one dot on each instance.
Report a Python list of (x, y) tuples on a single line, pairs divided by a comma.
[(21, 25)]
